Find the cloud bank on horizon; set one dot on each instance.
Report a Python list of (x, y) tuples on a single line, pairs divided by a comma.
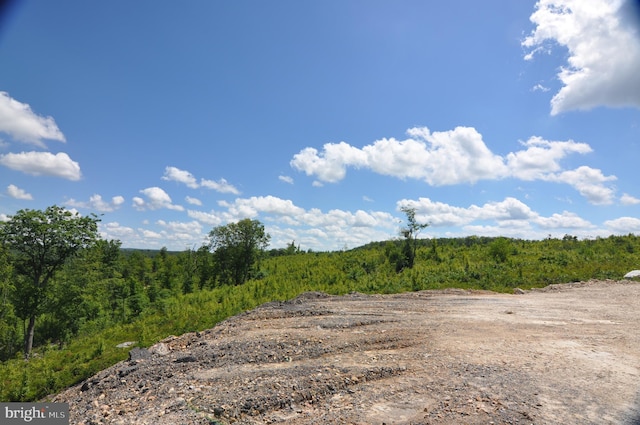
[(599, 45)]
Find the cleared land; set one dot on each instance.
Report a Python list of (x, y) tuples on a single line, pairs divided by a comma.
[(565, 354)]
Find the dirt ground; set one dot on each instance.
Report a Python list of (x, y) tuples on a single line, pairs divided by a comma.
[(565, 354)]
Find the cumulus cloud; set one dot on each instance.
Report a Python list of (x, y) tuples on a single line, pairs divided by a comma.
[(441, 214), (603, 51), (252, 207), (193, 201), (22, 124), (156, 198), (212, 218), (17, 193), (624, 225), (43, 163), (114, 230), (510, 217), (590, 182), (541, 157), (439, 158), (181, 231), (97, 203), (185, 177), (181, 176), (456, 157), (565, 220), (627, 199), (221, 186)]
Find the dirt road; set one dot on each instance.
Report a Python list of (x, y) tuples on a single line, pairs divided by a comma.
[(568, 354)]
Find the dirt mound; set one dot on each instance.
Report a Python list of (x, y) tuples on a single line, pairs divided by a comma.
[(566, 354)]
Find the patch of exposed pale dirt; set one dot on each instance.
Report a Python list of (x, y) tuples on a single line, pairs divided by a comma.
[(566, 354)]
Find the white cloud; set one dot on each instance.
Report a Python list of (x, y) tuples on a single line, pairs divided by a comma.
[(98, 204), (603, 52), (566, 220), (627, 199), (589, 182), (156, 199), (331, 165), (440, 214), (624, 225), (286, 179), (150, 234), (181, 176), (193, 201), (252, 207), (439, 158), (43, 163), (17, 193), (459, 156), (541, 157), (212, 218), (185, 177), (20, 122), (180, 231), (540, 87), (221, 186), (114, 230), (510, 217)]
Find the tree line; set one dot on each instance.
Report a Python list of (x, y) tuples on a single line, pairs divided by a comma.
[(59, 281), (56, 272)]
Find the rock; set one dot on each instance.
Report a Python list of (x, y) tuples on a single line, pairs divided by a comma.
[(518, 291), (126, 371), (186, 359), (139, 354), (125, 344), (160, 349), (632, 273)]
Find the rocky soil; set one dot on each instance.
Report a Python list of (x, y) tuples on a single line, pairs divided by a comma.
[(566, 354)]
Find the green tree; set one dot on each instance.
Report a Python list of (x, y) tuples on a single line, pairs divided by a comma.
[(499, 249), (9, 339), (410, 234), (39, 244), (236, 247)]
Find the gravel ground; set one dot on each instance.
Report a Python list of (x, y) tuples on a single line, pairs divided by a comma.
[(565, 354)]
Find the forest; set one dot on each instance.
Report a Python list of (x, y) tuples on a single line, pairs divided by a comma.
[(104, 295)]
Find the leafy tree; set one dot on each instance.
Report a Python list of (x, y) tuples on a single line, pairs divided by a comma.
[(499, 249), (410, 233), (236, 247), (39, 243), (9, 339)]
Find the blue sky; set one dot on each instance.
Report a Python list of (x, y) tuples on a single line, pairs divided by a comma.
[(323, 119)]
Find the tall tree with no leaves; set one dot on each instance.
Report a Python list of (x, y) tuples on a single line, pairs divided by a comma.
[(39, 244)]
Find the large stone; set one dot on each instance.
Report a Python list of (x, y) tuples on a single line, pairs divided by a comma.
[(160, 349), (632, 273)]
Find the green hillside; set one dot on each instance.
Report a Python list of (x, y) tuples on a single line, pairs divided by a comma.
[(106, 296)]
